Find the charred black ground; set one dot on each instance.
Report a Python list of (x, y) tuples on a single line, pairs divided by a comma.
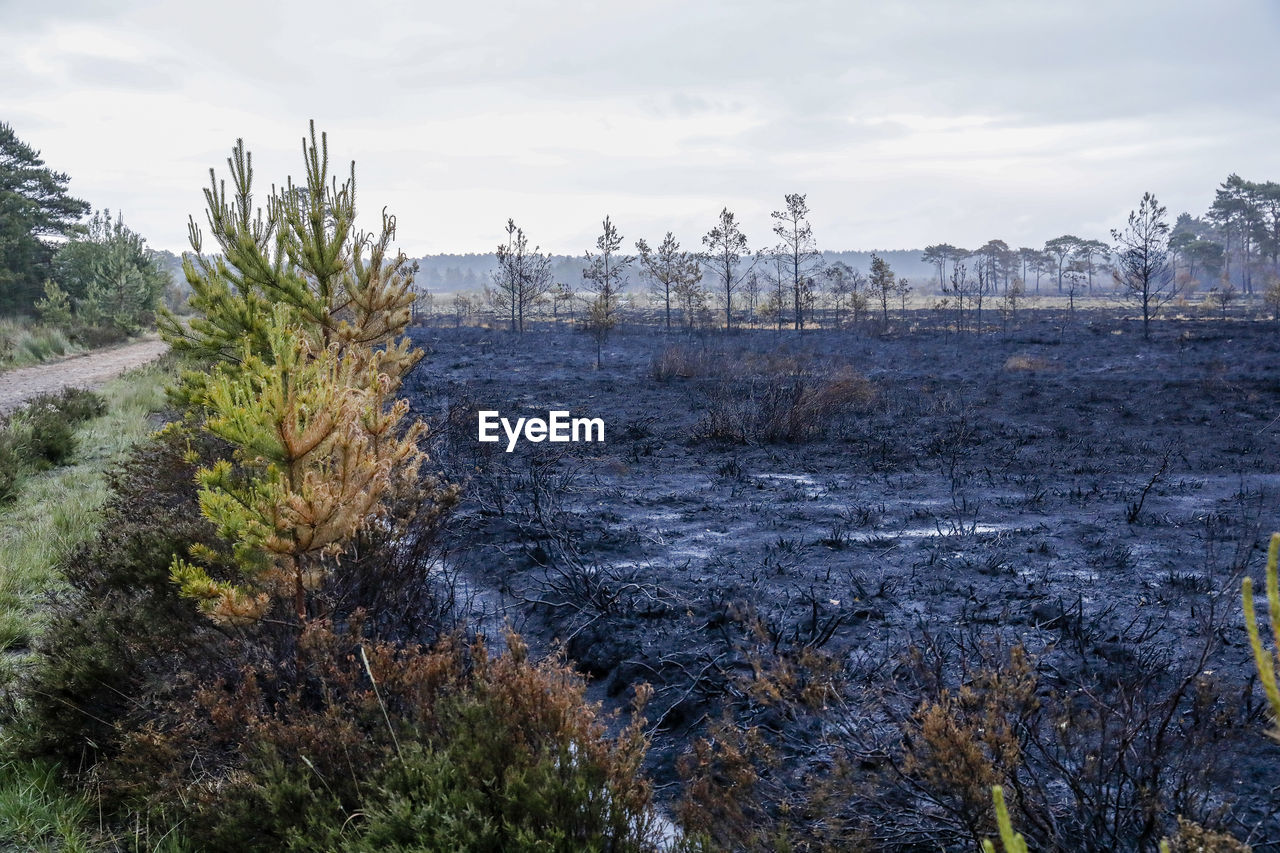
[(1069, 487)]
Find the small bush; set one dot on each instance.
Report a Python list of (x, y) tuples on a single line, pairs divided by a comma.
[(793, 407), (95, 337), (1194, 838), (261, 739), (52, 436), (77, 404), (119, 628), (683, 362), (44, 435)]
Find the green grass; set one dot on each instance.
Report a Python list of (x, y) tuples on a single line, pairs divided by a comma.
[(23, 343), (57, 510), (36, 813)]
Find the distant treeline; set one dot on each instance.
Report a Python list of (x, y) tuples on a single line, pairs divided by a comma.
[(454, 273)]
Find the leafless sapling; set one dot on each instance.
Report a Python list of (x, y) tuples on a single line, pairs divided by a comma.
[(1143, 272)]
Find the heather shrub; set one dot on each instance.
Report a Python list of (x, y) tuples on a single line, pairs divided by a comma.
[(46, 437), (379, 747), (122, 640), (42, 433), (77, 404), (97, 336), (1191, 837), (741, 789), (912, 761), (339, 738)]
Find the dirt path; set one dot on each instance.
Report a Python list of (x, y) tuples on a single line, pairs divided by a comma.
[(81, 371)]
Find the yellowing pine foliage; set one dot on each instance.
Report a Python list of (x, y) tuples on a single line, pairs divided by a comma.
[(303, 319)]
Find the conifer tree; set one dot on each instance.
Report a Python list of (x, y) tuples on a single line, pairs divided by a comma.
[(111, 276), (606, 269), (726, 248), (1143, 270), (302, 316), (522, 278), (799, 251), (882, 284), (34, 207), (669, 270)]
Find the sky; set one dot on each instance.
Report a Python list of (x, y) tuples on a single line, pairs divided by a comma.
[(903, 123)]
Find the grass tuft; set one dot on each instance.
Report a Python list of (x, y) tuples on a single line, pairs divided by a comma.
[(23, 343)]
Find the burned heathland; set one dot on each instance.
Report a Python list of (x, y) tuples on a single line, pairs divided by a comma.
[(868, 576)]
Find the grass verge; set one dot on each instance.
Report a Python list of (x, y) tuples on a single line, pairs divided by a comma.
[(57, 510), (53, 513)]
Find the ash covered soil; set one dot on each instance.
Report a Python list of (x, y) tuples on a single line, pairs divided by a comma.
[(1088, 495)]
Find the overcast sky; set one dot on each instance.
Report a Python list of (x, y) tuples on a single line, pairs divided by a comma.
[(905, 123)]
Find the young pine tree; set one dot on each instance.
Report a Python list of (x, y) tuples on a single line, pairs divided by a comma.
[(302, 318)]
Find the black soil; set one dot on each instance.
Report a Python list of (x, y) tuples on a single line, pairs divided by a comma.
[(1088, 494)]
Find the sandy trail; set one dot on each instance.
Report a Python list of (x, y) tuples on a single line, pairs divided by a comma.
[(82, 371)]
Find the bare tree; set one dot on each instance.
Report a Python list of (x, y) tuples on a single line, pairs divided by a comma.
[(690, 295), (726, 247), (1013, 295), (667, 269), (463, 307), (791, 225), (1075, 278), (599, 320), (562, 295), (983, 281), (1143, 271), (751, 291), (522, 277), (1223, 295), (423, 300)]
